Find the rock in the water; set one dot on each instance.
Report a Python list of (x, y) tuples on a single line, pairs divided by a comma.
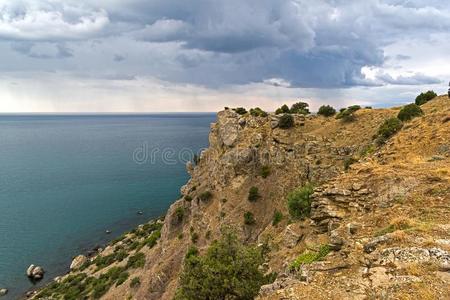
[(77, 262), (35, 272), (3, 292)]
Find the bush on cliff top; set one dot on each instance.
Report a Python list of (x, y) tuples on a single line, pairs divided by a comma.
[(258, 112), (284, 109), (409, 112), (326, 111), (425, 97), (286, 121), (300, 108), (228, 270), (240, 110)]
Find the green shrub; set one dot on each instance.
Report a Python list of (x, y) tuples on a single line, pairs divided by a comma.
[(196, 159), (253, 194), (284, 109), (265, 171), (194, 237), (299, 108), (277, 217), (240, 110), (409, 112), (136, 261), (286, 121), (258, 112), (122, 278), (205, 196), (135, 282), (348, 162), (389, 128), (228, 270), (308, 257), (425, 97), (249, 219), (299, 201), (353, 108), (188, 198), (326, 111), (179, 214), (192, 251), (104, 261), (152, 239)]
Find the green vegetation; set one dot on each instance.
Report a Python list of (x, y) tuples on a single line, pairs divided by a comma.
[(308, 257), (228, 270), (179, 214), (347, 114), (409, 112), (249, 219), (152, 239), (104, 261), (390, 127), (81, 286), (348, 162), (326, 111), (205, 196), (299, 108), (188, 198), (196, 159), (240, 110), (135, 282), (367, 150), (299, 201), (277, 217), (136, 261), (265, 171), (253, 194), (192, 250), (286, 121), (425, 97), (258, 112), (284, 109), (194, 237)]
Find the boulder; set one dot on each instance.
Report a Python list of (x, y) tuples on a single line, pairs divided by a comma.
[(336, 241), (35, 272), (77, 262), (292, 235), (3, 292)]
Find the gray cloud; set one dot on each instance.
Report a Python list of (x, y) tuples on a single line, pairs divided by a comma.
[(321, 44)]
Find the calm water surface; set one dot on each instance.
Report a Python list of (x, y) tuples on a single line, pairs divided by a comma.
[(64, 180)]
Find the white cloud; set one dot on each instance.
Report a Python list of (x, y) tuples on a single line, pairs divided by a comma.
[(34, 22)]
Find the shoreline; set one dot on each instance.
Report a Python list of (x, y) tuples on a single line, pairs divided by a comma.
[(90, 254)]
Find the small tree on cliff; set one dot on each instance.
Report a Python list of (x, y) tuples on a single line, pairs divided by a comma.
[(228, 270)]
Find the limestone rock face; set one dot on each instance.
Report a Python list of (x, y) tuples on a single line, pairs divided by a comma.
[(292, 235), (35, 272), (78, 261), (229, 129)]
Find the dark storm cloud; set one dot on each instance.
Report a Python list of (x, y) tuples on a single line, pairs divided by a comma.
[(301, 43)]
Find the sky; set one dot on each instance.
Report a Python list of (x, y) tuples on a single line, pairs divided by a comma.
[(202, 55)]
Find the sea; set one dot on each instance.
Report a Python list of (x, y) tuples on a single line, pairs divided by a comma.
[(67, 180)]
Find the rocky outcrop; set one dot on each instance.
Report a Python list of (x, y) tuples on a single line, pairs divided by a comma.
[(78, 261), (35, 272)]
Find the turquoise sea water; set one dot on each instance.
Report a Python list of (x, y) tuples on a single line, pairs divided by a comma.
[(64, 180)]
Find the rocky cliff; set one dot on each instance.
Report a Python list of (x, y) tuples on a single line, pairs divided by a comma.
[(384, 218)]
